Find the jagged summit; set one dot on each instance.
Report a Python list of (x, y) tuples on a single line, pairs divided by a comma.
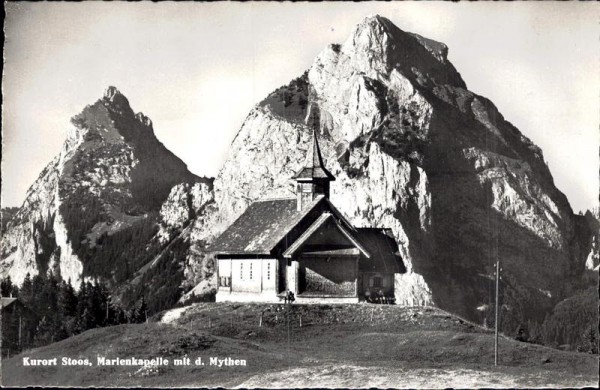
[(380, 25), (113, 92), (117, 103), (377, 44), (376, 23), (112, 174), (115, 100), (113, 115)]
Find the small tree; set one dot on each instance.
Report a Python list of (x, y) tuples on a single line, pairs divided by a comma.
[(67, 300), (589, 340), (142, 311), (6, 287), (26, 293), (43, 332)]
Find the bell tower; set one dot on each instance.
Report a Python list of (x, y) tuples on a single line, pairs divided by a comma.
[(313, 179)]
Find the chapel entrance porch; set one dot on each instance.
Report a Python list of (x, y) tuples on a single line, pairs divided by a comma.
[(324, 277)]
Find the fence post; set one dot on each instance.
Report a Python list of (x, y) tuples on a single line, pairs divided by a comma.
[(301, 320), (260, 320), (372, 310)]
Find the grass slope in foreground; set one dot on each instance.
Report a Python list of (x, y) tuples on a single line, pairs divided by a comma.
[(336, 346)]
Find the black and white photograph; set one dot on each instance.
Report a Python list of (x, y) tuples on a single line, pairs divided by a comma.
[(300, 195)]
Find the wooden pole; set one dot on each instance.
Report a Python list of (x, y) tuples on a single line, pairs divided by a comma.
[(496, 331), (20, 322), (301, 320), (260, 320)]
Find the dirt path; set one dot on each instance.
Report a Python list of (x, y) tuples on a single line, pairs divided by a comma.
[(352, 376)]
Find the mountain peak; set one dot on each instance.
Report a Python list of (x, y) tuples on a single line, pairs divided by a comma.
[(113, 97), (111, 92), (373, 18), (373, 25), (377, 45)]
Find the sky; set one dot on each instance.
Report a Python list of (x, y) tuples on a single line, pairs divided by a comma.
[(197, 69)]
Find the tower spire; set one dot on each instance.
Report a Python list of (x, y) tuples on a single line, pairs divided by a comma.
[(313, 179)]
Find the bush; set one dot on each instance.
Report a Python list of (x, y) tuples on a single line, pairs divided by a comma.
[(571, 321), (589, 341)]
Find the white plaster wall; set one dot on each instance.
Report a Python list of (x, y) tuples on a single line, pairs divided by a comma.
[(242, 280), (269, 275), (224, 267), (292, 277)]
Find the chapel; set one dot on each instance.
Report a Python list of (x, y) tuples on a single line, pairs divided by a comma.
[(306, 246)]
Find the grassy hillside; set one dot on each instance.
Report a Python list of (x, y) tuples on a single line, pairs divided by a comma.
[(336, 346)]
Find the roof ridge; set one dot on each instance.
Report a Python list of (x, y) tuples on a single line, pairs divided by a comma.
[(269, 199)]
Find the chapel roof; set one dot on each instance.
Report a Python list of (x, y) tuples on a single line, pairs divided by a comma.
[(262, 226), (384, 250), (265, 224)]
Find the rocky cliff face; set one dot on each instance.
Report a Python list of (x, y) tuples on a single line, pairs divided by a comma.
[(181, 206), (111, 176), (415, 151), (592, 261)]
